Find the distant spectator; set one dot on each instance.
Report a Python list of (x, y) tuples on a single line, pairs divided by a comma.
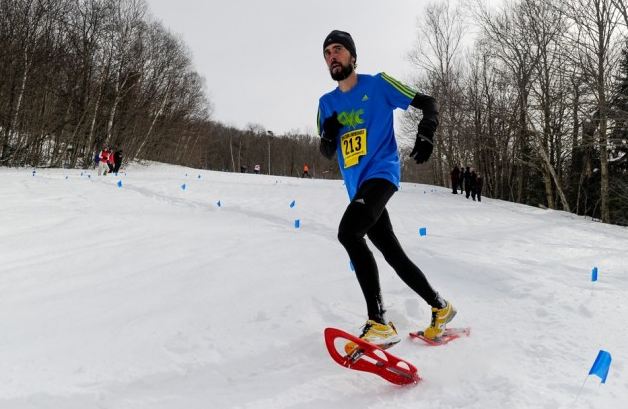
[(474, 179), (467, 181), (461, 179), (96, 159), (479, 182), (455, 176), (117, 160), (257, 168), (306, 171), (110, 162), (103, 161), (243, 169)]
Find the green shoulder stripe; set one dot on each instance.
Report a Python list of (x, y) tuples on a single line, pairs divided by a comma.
[(405, 90)]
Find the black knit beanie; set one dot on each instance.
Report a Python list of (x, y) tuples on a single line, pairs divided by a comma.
[(341, 37)]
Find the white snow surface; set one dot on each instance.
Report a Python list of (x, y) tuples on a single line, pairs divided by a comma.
[(151, 296)]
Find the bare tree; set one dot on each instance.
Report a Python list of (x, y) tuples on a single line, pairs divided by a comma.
[(438, 54), (595, 37)]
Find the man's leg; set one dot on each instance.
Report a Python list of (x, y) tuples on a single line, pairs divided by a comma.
[(383, 237), (361, 214)]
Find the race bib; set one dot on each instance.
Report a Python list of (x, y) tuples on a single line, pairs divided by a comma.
[(353, 146)]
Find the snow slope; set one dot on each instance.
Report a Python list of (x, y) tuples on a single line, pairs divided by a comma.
[(152, 296)]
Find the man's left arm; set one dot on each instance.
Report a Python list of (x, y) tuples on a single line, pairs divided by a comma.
[(424, 144)]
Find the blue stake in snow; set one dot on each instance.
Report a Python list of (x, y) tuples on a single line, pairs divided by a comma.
[(183, 186), (422, 231), (81, 173), (601, 365), (293, 203), (594, 274), (297, 223), (218, 203), (119, 183), (199, 176)]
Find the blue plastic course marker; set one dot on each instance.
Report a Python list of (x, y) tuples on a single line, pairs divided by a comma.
[(601, 365), (297, 223), (422, 231), (293, 203), (594, 274)]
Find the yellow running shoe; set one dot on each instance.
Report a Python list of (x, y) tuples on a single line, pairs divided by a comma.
[(382, 335), (440, 317)]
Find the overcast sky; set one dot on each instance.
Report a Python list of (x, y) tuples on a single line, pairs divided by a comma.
[(263, 60)]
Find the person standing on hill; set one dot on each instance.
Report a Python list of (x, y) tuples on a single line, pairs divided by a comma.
[(455, 175), (102, 163), (117, 160), (355, 121), (467, 181), (461, 180), (479, 183), (474, 179), (110, 162)]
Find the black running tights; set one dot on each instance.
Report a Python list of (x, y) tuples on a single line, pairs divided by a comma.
[(367, 215)]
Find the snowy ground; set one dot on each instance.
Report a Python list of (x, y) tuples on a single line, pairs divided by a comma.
[(151, 296)]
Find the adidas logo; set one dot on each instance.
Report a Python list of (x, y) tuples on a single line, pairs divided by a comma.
[(365, 98)]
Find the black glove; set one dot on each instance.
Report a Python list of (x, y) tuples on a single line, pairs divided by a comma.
[(331, 127), (424, 144)]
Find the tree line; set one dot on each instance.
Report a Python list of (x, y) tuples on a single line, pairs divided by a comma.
[(538, 103), (79, 75), (76, 75)]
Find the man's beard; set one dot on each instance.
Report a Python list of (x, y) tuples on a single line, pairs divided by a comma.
[(343, 73)]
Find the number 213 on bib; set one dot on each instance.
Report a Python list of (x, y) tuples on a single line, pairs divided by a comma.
[(353, 146)]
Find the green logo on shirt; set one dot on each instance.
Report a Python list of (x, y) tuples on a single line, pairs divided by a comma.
[(351, 119)]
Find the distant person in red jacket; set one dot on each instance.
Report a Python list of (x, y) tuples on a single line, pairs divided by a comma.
[(104, 160)]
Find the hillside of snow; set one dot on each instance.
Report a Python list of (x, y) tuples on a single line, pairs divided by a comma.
[(132, 291)]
